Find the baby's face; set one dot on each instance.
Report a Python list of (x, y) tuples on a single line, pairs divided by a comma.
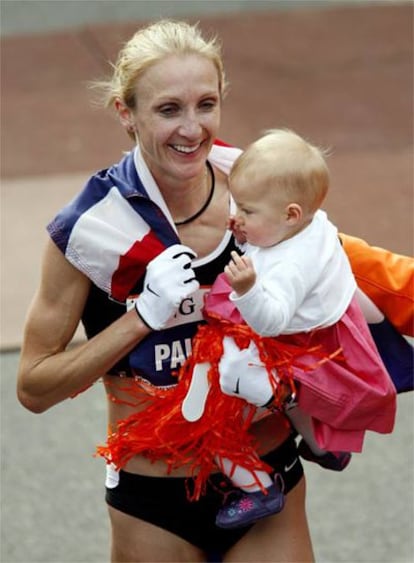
[(260, 218)]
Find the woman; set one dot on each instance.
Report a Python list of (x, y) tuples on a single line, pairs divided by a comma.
[(167, 88)]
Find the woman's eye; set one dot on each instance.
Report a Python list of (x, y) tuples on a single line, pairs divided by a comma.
[(168, 110), (208, 105)]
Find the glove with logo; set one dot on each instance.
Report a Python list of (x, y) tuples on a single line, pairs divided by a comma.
[(243, 375), (169, 279)]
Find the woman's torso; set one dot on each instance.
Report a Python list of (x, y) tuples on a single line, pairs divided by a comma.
[(208, 237)]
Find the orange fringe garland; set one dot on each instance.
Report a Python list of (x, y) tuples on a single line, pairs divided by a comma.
[(160, 432)]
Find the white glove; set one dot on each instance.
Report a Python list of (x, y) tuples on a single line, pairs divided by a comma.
[(243, 375), (169, 280)]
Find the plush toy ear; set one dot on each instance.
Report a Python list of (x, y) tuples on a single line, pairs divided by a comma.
[(193, 405)]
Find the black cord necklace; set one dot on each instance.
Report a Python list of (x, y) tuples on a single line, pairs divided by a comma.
[(206, 204)]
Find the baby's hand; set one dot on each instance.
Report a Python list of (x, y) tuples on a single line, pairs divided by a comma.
[(240, 273), (234, 227)]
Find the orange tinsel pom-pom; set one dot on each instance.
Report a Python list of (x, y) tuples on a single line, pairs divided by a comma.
[(160, 432)]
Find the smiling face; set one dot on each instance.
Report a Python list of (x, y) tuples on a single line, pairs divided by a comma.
[(177, 115)]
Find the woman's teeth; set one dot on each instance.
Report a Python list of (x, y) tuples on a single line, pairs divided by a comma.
[(187, 150)]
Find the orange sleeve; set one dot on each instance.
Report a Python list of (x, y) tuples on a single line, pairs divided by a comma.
[(387, 279)]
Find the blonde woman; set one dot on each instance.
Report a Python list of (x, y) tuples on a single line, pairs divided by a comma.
[(126, 258)]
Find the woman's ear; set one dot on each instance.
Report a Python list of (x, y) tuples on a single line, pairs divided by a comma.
[(125, 115), (294, 214)]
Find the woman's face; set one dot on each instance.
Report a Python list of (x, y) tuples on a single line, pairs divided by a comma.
[(177, 116)]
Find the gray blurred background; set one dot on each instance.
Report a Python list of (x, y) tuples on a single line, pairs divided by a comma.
[(340, 73)]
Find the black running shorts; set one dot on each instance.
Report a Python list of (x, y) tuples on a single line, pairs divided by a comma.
[(162, 501)]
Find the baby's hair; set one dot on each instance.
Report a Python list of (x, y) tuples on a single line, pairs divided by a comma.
[(287, 163), (150, 45)]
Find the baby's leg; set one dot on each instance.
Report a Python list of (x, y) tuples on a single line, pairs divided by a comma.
[(303, 425), (259, 496), (243, 478), (308, 447)]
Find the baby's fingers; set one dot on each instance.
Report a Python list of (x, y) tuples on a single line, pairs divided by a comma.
[(240, 262)]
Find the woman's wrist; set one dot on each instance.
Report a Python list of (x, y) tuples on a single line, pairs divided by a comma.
[(142, 324), (142, 320)]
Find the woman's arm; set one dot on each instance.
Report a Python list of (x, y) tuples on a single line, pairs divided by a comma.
[(49, 372)]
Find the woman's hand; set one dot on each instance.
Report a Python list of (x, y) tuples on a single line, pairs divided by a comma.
[(169, 279)]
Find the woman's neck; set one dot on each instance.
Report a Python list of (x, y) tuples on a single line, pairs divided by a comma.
[(187, 200)]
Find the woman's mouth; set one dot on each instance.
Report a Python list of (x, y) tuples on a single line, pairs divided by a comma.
[(185, 149)]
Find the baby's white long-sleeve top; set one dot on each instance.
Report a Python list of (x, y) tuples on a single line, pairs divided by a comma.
[(302, 283)]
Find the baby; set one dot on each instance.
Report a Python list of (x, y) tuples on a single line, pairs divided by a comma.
[(294, 282)]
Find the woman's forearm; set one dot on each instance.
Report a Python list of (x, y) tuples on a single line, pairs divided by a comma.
[(48, 380)]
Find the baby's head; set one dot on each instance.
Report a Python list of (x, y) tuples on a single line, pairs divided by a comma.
[(278, 182), (281, 164)]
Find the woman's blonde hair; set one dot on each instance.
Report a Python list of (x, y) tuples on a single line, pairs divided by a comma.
[(286, 164), (150, 45)]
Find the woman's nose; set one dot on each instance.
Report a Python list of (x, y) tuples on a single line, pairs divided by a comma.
[(190, 126)]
